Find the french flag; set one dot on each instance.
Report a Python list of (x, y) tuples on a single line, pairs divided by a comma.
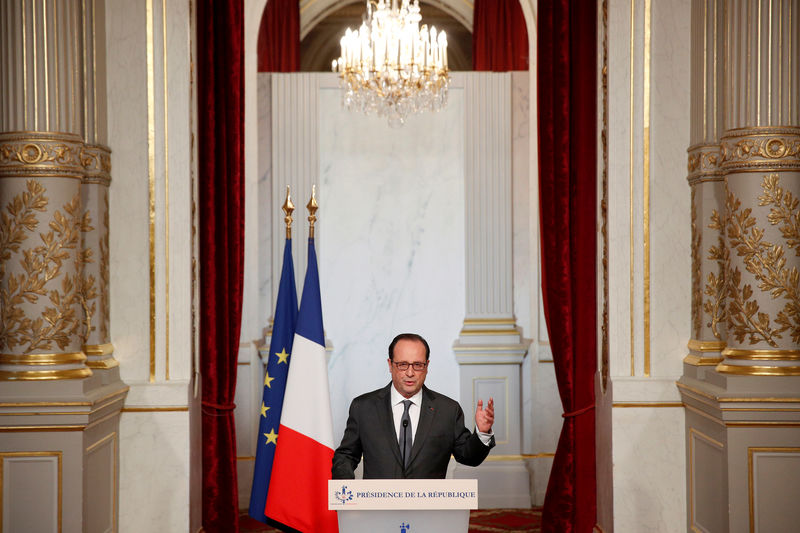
[(298, 488)]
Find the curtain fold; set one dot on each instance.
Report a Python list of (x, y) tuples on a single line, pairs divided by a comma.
[(220, 99), (499, 36), (279, 37), (566, 67)]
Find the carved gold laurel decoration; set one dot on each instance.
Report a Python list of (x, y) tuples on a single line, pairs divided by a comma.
[(767, 263), (41, 264), (697, 297), (715, 287), (105, 275)]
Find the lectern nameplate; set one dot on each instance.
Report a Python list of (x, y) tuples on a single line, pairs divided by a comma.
[(403, 505)]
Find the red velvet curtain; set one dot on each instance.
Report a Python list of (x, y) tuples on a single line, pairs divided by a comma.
[(220, 99), (567, 191), (499, 36), (279, 37)]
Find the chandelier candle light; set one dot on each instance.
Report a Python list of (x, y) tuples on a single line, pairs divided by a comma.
[(390, 65)]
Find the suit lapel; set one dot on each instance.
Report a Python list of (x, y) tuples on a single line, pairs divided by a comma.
[(427, 413), (387, 422)]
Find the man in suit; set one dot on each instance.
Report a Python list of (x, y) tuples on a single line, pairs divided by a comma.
[(406, 430)]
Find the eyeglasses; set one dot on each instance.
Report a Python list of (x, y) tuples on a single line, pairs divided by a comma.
[(403, 365)]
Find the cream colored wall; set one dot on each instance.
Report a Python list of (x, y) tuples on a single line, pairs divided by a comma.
[(150, 134), (649, 259)]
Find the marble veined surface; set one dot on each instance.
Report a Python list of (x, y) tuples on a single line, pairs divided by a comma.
[(392, 252)]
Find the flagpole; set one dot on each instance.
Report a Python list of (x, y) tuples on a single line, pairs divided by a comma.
[(288, 208), (312, 211)]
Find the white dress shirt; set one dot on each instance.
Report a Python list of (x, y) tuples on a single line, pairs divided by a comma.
[(413, 414), (413, 411)]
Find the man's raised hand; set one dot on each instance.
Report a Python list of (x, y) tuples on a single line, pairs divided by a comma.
[(484, 418)]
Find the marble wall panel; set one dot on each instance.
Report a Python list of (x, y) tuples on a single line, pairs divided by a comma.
[(154, 471), (127, 137), (649, 468), (392, 260), (670, 257)]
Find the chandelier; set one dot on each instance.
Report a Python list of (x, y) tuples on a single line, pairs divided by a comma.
[(391, 66)]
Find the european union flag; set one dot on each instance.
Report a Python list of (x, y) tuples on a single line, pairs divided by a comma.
[(280, 348)]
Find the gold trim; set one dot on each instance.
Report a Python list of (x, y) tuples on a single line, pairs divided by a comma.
[(245, 458), (770, 355), (764, 424), (25, 66), (151, 156), (770, 399), (35, 68), (519, 457), (758, 370), (630, 178), (706, 346), (478, 321), (101, 441), (646, 191), (98, 349), (646, 404), (94, 68), (490, 332), (54, 428), (166, 191), (38, 375), (42, 358), (103, 364), (164, 409), (85, 77), (57, 454), (46, 66), (696, 360), (763, 410), (704, 414)]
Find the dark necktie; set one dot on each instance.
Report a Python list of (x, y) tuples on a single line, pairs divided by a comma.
[(405, 434)]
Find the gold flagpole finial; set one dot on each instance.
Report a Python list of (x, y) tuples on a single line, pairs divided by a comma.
[(288, 207), (312, 210)]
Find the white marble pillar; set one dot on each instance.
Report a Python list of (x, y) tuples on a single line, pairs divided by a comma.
[(490, 348)]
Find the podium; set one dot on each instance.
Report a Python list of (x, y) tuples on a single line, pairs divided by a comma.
[(403, 505)]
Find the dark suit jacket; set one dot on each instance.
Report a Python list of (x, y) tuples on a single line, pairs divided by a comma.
[(370, 433)]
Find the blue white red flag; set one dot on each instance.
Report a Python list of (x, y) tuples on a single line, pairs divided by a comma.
[(298, 489), (280, 348)]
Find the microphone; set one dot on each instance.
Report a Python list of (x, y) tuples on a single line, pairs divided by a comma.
[(405, 424)]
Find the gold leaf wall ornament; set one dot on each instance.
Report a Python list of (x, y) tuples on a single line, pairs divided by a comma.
[(767, 263), (784, 210), (105, 274), (48, 155), (715, 286), (87, 291), (761, 148), (697, 297), (58, 322)]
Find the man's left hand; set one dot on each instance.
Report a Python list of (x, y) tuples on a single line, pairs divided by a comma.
[(484, 418)]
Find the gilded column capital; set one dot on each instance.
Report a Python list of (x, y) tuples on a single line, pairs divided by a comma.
[(41, 154), (96, 162), (760, 149), (704, 163)]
